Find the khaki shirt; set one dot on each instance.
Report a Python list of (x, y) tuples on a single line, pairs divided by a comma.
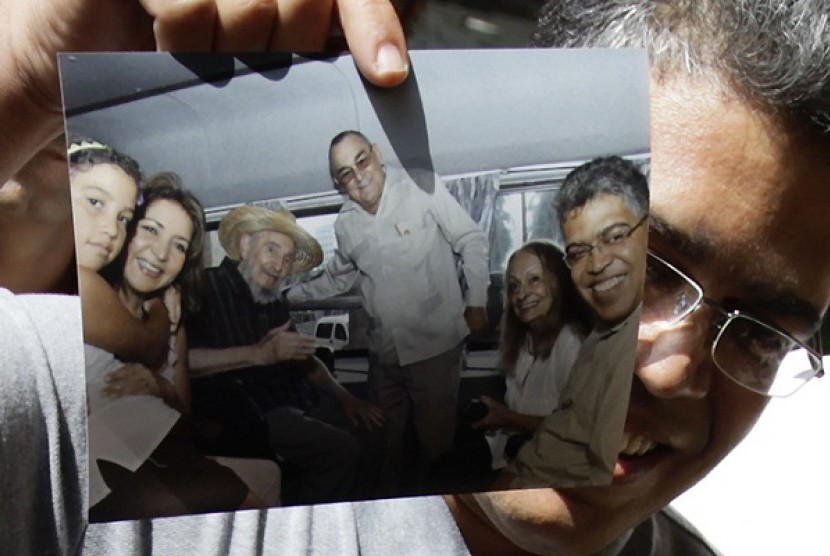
[(578, 444)]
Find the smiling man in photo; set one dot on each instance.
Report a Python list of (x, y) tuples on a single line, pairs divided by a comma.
[(397, 244), (602, 209)]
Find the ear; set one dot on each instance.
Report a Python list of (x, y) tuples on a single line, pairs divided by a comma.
[(244, 245)]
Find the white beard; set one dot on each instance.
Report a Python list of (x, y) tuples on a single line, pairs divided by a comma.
[(261, 295)]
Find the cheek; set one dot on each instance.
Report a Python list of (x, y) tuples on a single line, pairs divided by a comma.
[(84, 219), (175, 269), (118, 243), (735, 411)]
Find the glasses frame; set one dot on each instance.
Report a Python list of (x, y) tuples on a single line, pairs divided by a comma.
[(601, 243), (354, 168), (726, 317)]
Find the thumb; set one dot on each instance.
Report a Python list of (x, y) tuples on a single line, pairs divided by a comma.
[(376, 40)]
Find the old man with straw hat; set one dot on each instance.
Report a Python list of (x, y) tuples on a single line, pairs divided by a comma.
[(254, 375)]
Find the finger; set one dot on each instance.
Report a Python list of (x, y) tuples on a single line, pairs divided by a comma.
[(182, 25), (302, 26), (377, 419), (376, 40), (244, 24), (306, 343), (302, 354)]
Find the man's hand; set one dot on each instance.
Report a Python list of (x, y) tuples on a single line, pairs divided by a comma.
[(497, 415), (477, 321), (280, 344), (359, 411), (36, 30), (32, 32)]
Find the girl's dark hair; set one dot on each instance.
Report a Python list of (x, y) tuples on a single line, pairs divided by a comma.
[(570, 307), (83, 153), (167, 186)]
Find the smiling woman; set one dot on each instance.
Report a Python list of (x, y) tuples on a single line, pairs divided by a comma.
[(166, 246), (161, 473)]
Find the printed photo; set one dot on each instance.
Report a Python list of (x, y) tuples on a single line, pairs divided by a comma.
[(298, 288)]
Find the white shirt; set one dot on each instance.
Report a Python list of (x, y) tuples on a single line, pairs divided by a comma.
[(403, 256), (535, 384)]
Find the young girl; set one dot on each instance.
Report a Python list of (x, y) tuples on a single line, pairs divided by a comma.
[(104, 186)]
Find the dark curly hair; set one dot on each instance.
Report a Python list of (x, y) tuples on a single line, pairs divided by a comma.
[(83, 153)]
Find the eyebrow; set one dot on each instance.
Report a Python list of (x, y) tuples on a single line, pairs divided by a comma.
[(156, 222), (100, 189), (287, 252), (160, 225), (700, 249)]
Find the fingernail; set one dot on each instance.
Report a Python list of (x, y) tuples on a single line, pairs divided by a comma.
[(389, 60)]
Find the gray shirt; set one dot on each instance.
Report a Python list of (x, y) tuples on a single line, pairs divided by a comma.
[(42, 424)]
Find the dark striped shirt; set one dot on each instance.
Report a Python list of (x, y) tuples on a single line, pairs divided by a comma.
[(229, 317)]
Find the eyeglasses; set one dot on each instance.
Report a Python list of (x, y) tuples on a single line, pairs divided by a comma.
[(757, 355), (579, 252), (346, 174)]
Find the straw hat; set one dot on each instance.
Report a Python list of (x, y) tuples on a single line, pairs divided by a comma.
[(250, 220)]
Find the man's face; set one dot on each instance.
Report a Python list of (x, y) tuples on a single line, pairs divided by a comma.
[(744, 206), (609, 275), (357, 169), (267, 258)]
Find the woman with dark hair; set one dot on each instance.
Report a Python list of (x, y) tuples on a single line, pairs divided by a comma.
[(142, 462), (543, 325)]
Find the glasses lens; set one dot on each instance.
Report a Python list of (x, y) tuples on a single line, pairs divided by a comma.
[(668, 295), (574, 255), (761, 358)]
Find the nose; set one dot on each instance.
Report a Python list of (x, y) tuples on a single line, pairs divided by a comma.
[(598, 260), (673, 361), (277, 263), (109, 226), (161, 250)]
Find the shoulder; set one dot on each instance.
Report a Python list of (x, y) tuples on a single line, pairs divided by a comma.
[(570, 337)]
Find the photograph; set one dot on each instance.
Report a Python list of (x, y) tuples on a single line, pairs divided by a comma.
[(363, 277), (299, 288)]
